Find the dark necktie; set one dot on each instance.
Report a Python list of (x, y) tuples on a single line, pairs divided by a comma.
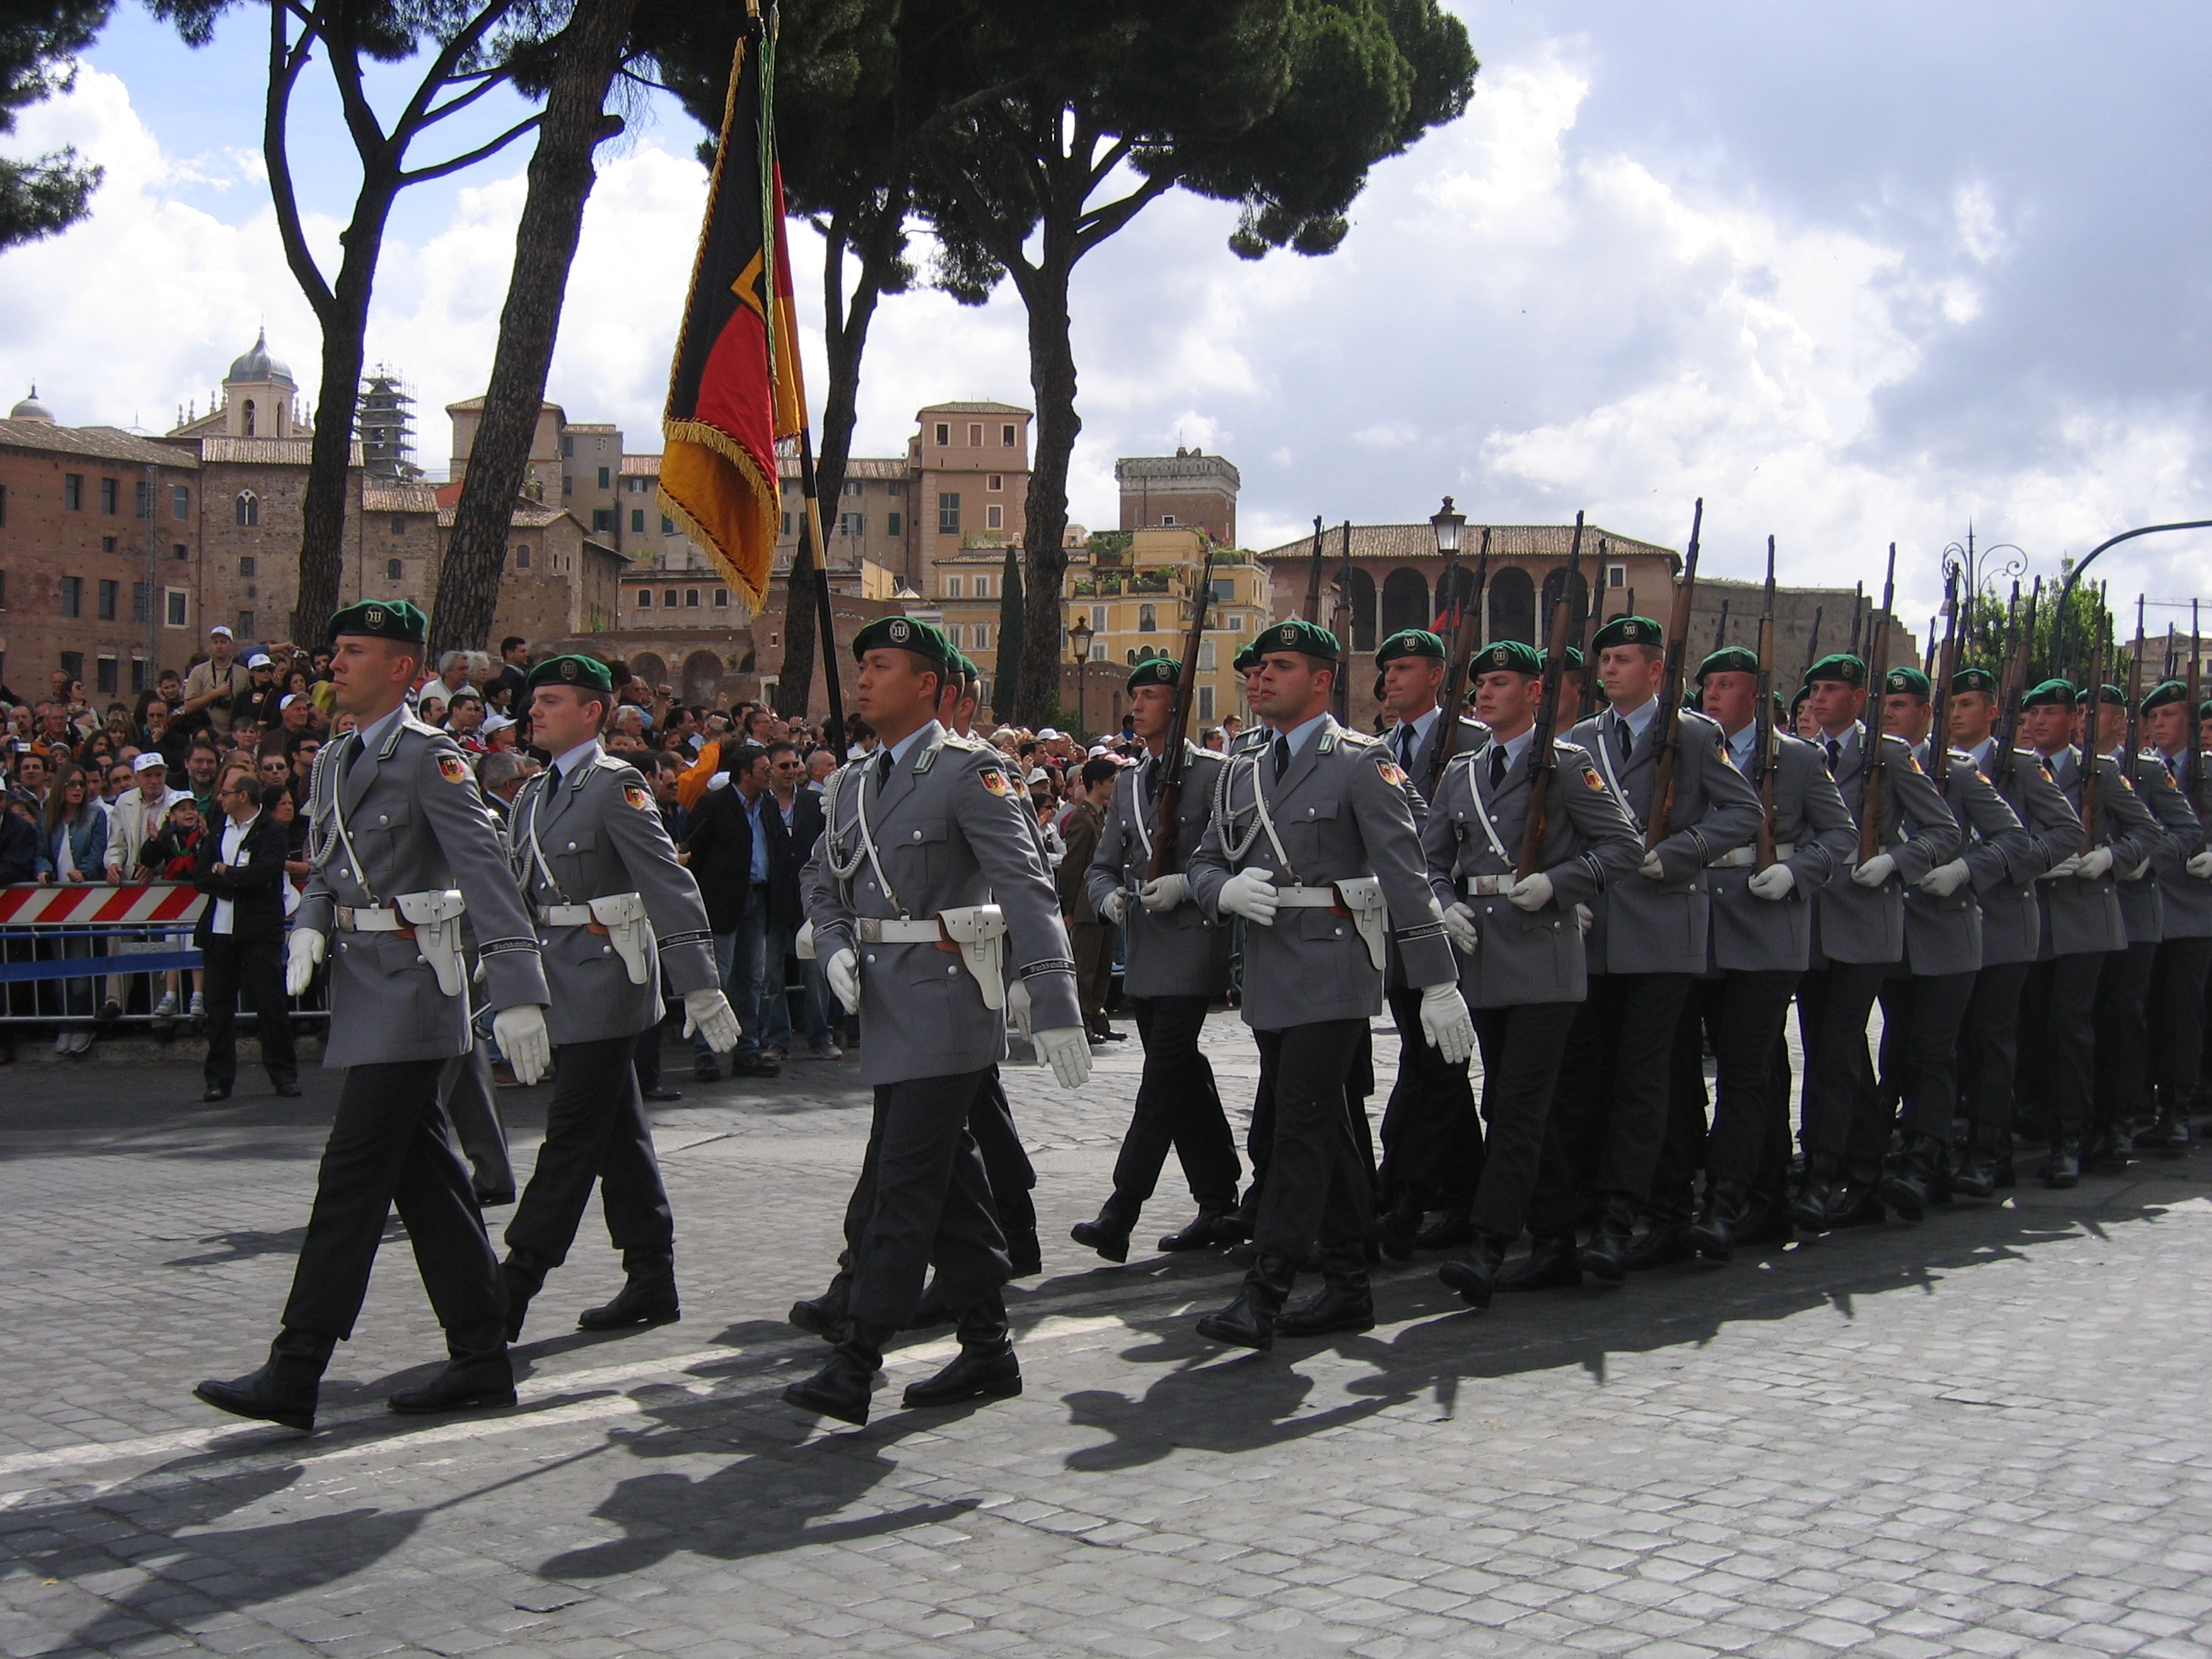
[(1405, 746), (883, 769), (1835, 755), (552, 780), (360, 748), (1152, 770), (1496, 765), (1282, 757), (1627, 741)]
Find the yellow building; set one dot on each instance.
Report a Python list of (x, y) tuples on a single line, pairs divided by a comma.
[(1134, 589)]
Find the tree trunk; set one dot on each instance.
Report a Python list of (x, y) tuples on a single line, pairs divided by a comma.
[(561, 178), (1052, 381), (323, 508), (1013, 628)]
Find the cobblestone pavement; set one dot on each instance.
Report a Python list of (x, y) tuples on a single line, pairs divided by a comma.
[(1986, 1435)]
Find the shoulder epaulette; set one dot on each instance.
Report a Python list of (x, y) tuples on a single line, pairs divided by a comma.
[(1358, 739)]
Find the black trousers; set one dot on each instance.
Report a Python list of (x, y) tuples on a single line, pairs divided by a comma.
[(471, 1100), (922, 1198), (596, 1130), (388, 1145), (1608, 1116), (2123, 1028), (255, 967), (1321, 1179), (644, 1056), (1431, 1137), (2058, 1042), (1177, 1106), (1741, 1016), (2177, 996), (1523, 1050), (1842, 1125), (1920, 1018), (1988, 1052), (1006, 1163)]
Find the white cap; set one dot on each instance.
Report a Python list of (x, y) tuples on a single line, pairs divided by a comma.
[(497, 721), (1047, 732), (220, 628), (291, 698), (1097, 750), (1038, 774), (259, 660), (148, 760)]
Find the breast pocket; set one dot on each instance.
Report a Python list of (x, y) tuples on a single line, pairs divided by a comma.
[(926, 839), (571, 852), (390, 820), (1307, 830)]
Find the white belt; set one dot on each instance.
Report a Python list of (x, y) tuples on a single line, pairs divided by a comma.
[(884, 930), (565, 916), (370, 919), (1306, 899), (1476, 886), (1737, 857)]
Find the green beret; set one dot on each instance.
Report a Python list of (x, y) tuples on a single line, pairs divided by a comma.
[(1505, 656), (1410, 642), (1842, 666), (2051, 692), (1907, 682), (1630, 631), (1798, 702), (964, 666), (1575, 664), (1246, 659), (2164, 692), (1974, 679), (1298, 634), (1155, 670), (382, 619), (906, 633), (585, 673), (1729, 659), (2112, 695)]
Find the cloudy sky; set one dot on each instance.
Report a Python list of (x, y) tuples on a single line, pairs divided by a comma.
[(1850, 273)]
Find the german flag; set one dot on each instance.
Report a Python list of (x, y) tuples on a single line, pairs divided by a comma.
[(735, 388)]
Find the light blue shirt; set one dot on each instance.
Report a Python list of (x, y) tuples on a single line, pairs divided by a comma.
[(582, 755), (1299, 735), (1422, 726), (372, 735), (760, 835), (1637, 719), (1740, 747)]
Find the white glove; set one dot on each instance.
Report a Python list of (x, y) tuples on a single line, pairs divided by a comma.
[(2065, 867), (1531, 892), (1446, 1022), (1018, 1008), (1945, 879), (1651, 869), (843, 973), (2200, 866), (1465, 932), (2097, 861), (1164, 894), (1773, 883), (2138, 873), (1250, 894), (1875, 871), (709, 1012), (1067, 1050), (1115, 906), (1585, 918), (305, 953), (521, 1033)]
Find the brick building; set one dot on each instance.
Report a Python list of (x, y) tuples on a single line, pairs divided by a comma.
[(1188, 489)]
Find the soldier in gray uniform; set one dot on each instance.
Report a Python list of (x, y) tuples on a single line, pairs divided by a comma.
[(1925, 1001), (1313, 842), (404, 856), (1520, 939), (2185, 878), (926, 887), (1759, 942), (618, 919), (2121, 1099), (1609, 1121), (1858, 936), (1176, 962)]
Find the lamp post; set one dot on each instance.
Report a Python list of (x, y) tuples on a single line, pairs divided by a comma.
[(1448, 522), (2073, 575), (1078, 637), (1974, 569)]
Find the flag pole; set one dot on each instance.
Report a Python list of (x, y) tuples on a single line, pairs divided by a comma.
[(824, 616)]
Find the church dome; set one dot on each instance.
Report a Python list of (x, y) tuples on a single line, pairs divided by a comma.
[(31, 410), (259, 365)]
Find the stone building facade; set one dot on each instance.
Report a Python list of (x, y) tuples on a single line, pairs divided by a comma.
[(1188, 489)]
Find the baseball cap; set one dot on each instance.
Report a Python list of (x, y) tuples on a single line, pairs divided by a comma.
[(1038, 774), (224, 632), (259, 660), (1047, 732), (148, 760)]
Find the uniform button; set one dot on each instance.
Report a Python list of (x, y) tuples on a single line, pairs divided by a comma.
[(419, 960), (606, 950), (917, 834), (1308, 812), (871, 955), (347, 874), (572, 846), (952, 970), (382, 819), (1340, 932)]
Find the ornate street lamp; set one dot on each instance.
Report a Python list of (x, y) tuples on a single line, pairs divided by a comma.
[(1078, 638), (1972, 570), (1448, 523)]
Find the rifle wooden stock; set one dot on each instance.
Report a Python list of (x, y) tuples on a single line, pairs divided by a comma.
[(1468, 625), (1670, 690), (1312, 610), (2196, 716), (1542, 760), (1762, 731), (1939, 708), (2092, 758), (1874, 756), (1167, 821)]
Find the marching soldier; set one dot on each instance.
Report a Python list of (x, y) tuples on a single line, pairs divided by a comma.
[(2184, 878), (1858, 938), (1313, 843), (618, 916), (403, 852), (1761, 941), (1521, 966), (1649, 941), (2120, 1100), (1175, 958), (925, 884)]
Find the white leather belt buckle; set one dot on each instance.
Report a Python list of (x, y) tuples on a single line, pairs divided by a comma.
[(888, 930), (368, 918), (1306, 898), (565, 915), (1484, 886), (1738, 858)]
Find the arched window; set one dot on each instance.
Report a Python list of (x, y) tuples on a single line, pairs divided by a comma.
[(1454, 589), (1148, 621), (522, 555), (1513, 606), (249, 507), (249, 417), (1556, 584), (394, 570), (1405, 601)]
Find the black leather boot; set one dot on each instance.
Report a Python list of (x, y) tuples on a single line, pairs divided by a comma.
[(478, 1373), (984, 1369), (1445, 1229), (1209, 1229), (841, 1389), (1475, 1278), (824, 1315), (1250, 1321), (932, 1309), (1712, 1234), (1400, 1228), (647, 1297), (1605, 1258), (281, 1391), (1857, 1202), (2168, 1136), (1665, 1240), (523, 1275), (1345, 1303), (2063, 1168), (1809, 1209), (1109, 1234), (1908, 1186), (1975, 1174), (1550, 1265)]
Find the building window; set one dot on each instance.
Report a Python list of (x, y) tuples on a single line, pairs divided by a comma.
[(178, 550), (248, 507), (645, 598), (1006, 437), (109, 593), (398, 526), (690, 598), (3, 506), (180, 501), (567, 444), (246, 565), (141, 610), (245, 624), (72, 596), (982, 633), (568, 484), (1148, 620), (994, 517), (956, 587), (667, 525), (176, 608), (107, 495), (1098, 619), (1098, 650), (721, 599), (604, 482), (851, 486), (668, 599), (1206, 703), (73, 664), (948, 515), (637, 520), (1616, 575), (957, 635), (982, 588), (249, 417), (786, 524), (943, 433), (896, 487), (394, 569), (522, 556), (107, 543), (895, 526), (142, 499), (1167, 519), (137, 675), (1205, 657), (998, 481), (73, 491), (852, 524), (603, 518)]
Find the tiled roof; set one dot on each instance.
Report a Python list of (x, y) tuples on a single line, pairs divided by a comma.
[(647, 466), (856, 467), (398, 498), (267, 452), (971, 409), (1507, 541), (106, 443), (528, 515)]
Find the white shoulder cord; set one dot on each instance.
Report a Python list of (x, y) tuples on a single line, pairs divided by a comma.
[(1481, 810), (537, 852), (1138, 813), (1605, 760), (345, 837), (1266, 821)]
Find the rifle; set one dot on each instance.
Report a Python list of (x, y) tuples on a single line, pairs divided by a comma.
[(2091, 759), (2196, 719), (1586, 696), (1874, 758), (1945, 662), (2014, 689), (1720, 628), (1542, 760), (1858, 601), (1341, 686), (1465, 626), (1812, 640), (1670, 690), (2135, 692), (1762, 729), (1167, 824), (1312, 610)]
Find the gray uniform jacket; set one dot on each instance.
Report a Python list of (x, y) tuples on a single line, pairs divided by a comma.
[(600, 834), (2187, 899), (950, 830), (417, 826), (1663, 927), (1472, 734), (1341, 812), (2012, 913), (1182, 952), (1944, 935), (1755, 935), (1851, 923), (1526, 956), (2080, 916)]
